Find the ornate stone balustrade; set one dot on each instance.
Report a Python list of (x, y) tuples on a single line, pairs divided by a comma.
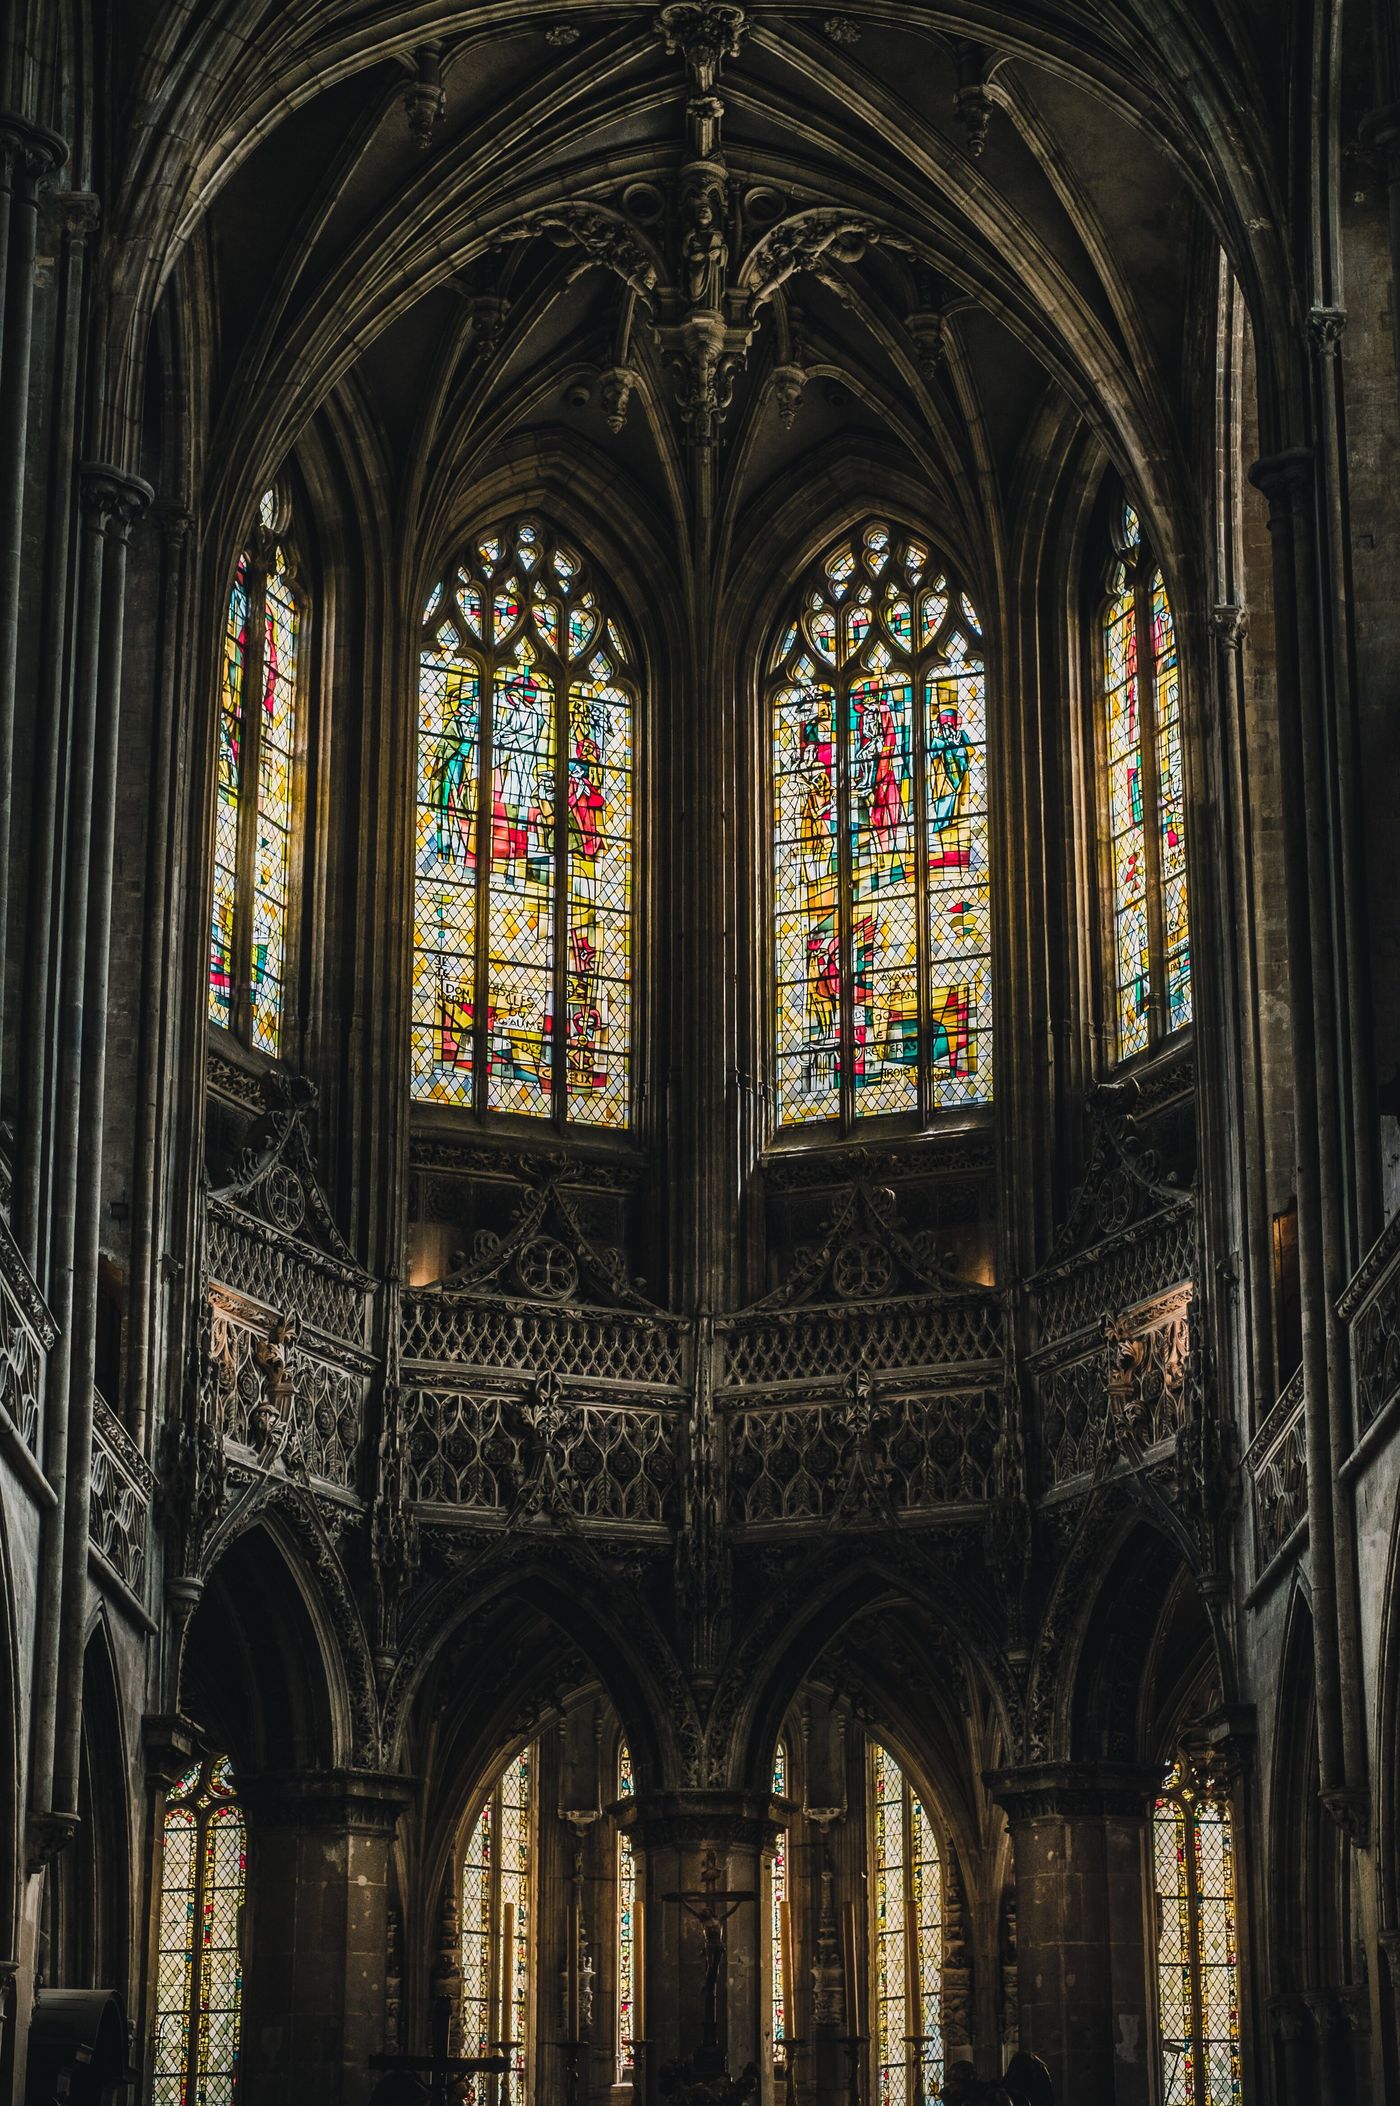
[(285, 1394), (119, 1505), (509, 1454), (874, 1451), (1277, 1465), (1120, 1394), (1370, 1305), (27, 1333)]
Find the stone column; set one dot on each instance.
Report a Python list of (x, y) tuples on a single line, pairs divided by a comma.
[(1078, 1832), (28, 153), (1287, 481), (673, 1833), (316, 1933)]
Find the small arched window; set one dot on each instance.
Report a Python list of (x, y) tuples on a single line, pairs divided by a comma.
[(1144, 798), (627, 1942), (498, 1919), (1198, 2006), (199, 1956), (906, 1937), (881, 881), (253, 799), (522, 966), (783, 2020)]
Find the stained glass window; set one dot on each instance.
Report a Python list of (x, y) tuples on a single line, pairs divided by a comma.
[(626, 1927), (199, 1961), (783, 2019), (881, 863), (522, 956), (907, 1938), (253, 801), (496, 1917), (1144, 799), (1198, 2012)]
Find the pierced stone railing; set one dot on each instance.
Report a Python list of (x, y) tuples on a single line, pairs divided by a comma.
[(842, 1458), (119, 1503), (1121, 1389), (1370, 1305), (489, 1456), (1276, 1461), (27, 1333)]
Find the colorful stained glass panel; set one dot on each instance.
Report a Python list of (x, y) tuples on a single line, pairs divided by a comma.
[(223, 970), (445, 849), (1171, 810), (273, 837), (199, 1964), (545, 929), (1123, 761), (777, 1895), (808, 947), (882, 898), (626, 1926)]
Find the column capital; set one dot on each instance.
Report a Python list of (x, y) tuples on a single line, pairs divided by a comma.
[(110, 497), (1038, 1791), (1229, 623), (1288, 2016), (700, 1819), (1281, 475), (1325, 326), (173, 520), (77, 212), (364, 1802), (36, 149), (170, 1742), (1379, 132)]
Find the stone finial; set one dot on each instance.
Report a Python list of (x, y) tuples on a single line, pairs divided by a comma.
[(705, 33)]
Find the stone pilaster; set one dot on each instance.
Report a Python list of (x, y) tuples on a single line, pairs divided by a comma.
[(316, 1933), (674, 1834), (1078, 1831)]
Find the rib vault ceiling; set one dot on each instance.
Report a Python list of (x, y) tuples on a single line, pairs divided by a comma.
[(1005, 212)]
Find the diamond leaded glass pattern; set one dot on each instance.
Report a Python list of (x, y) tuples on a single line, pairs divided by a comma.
[(1197, 1947), (626, 1926), (777, 1895), (522, 970), (907, 1940), (1144, 800), (881, 862), (497, 1869), (272, 861), (199, 1962), (253, 796)]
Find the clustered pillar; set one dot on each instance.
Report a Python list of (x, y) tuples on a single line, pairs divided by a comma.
[(1079, 1834)]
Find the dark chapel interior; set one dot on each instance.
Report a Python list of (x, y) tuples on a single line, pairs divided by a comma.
[(699, 1052)]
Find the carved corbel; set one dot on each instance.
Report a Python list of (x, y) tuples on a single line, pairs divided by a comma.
[(972, 106), (425, 99)]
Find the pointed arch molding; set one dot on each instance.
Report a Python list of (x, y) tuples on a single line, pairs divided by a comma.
[(1209, 118)]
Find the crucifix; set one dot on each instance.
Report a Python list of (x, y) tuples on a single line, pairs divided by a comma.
[(712, 1906), (432, 2078)]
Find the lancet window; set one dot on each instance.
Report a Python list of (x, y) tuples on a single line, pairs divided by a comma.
[(253, 797), (783, 1959), (906, 1938), (1198, 2013), (877, 718), (1144, 799), (199, 1956), (627, 1954), (498, 1916), (523, 926)]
